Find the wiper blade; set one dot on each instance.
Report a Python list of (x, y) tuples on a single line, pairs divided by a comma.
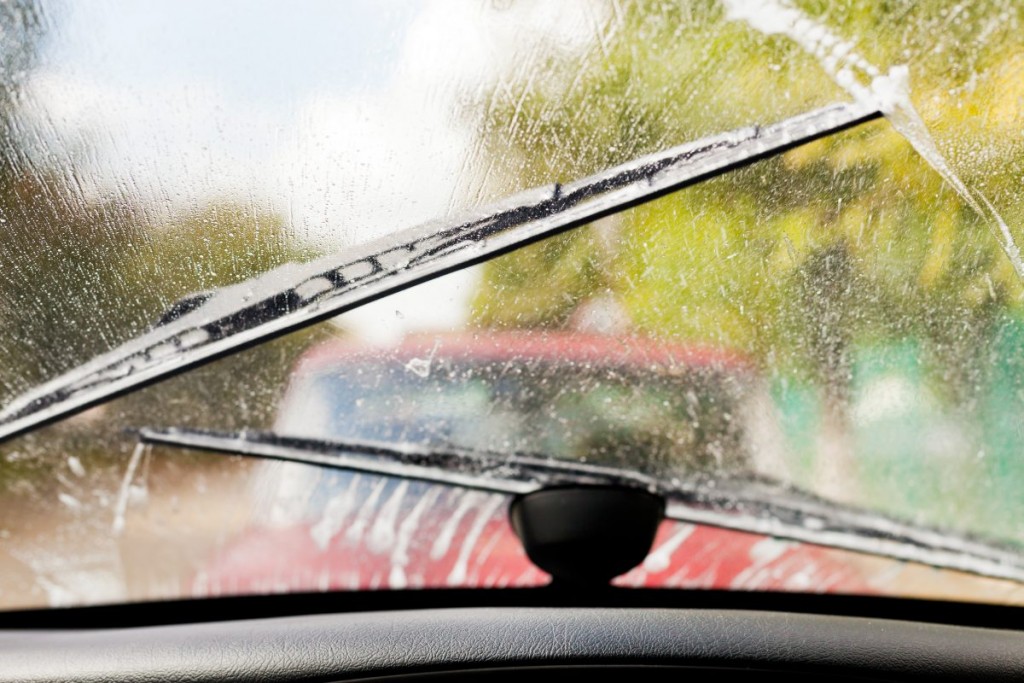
[(207, 326), (748, 504)]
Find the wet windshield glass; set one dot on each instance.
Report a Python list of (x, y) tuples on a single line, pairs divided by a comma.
[(844, 318)]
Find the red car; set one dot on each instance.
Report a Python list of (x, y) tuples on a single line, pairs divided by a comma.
[(664, 409)]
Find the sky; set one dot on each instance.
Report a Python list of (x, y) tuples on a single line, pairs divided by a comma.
[(348, 119)]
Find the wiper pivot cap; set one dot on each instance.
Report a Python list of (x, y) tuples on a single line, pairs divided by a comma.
[(587, 535)]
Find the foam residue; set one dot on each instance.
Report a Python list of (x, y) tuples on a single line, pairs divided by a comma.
[(335, 513), (460, 571), (660, 559), (121, 506), (892, 92), (867, 84), (397, 578), (847, 68)]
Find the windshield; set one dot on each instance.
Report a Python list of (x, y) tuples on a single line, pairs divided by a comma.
[(842, 320)]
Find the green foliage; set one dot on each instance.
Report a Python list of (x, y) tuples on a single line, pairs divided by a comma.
[(741, 260), (540, 286), (77, 278)]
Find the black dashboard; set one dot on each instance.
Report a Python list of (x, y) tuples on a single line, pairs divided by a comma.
[(506, 642)]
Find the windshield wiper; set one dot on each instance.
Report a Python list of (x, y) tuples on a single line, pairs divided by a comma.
[(750, 504), (210, 325)]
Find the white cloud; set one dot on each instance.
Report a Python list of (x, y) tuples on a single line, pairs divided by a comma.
[(158, 143)]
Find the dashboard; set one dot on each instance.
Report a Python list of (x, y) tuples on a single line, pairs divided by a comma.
[(508, 642)]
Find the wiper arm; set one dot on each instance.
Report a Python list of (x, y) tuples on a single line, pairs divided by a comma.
[(753, 505), (487, 471), (207, 326)]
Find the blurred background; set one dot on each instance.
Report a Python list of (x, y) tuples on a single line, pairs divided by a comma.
[(152, 150)]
